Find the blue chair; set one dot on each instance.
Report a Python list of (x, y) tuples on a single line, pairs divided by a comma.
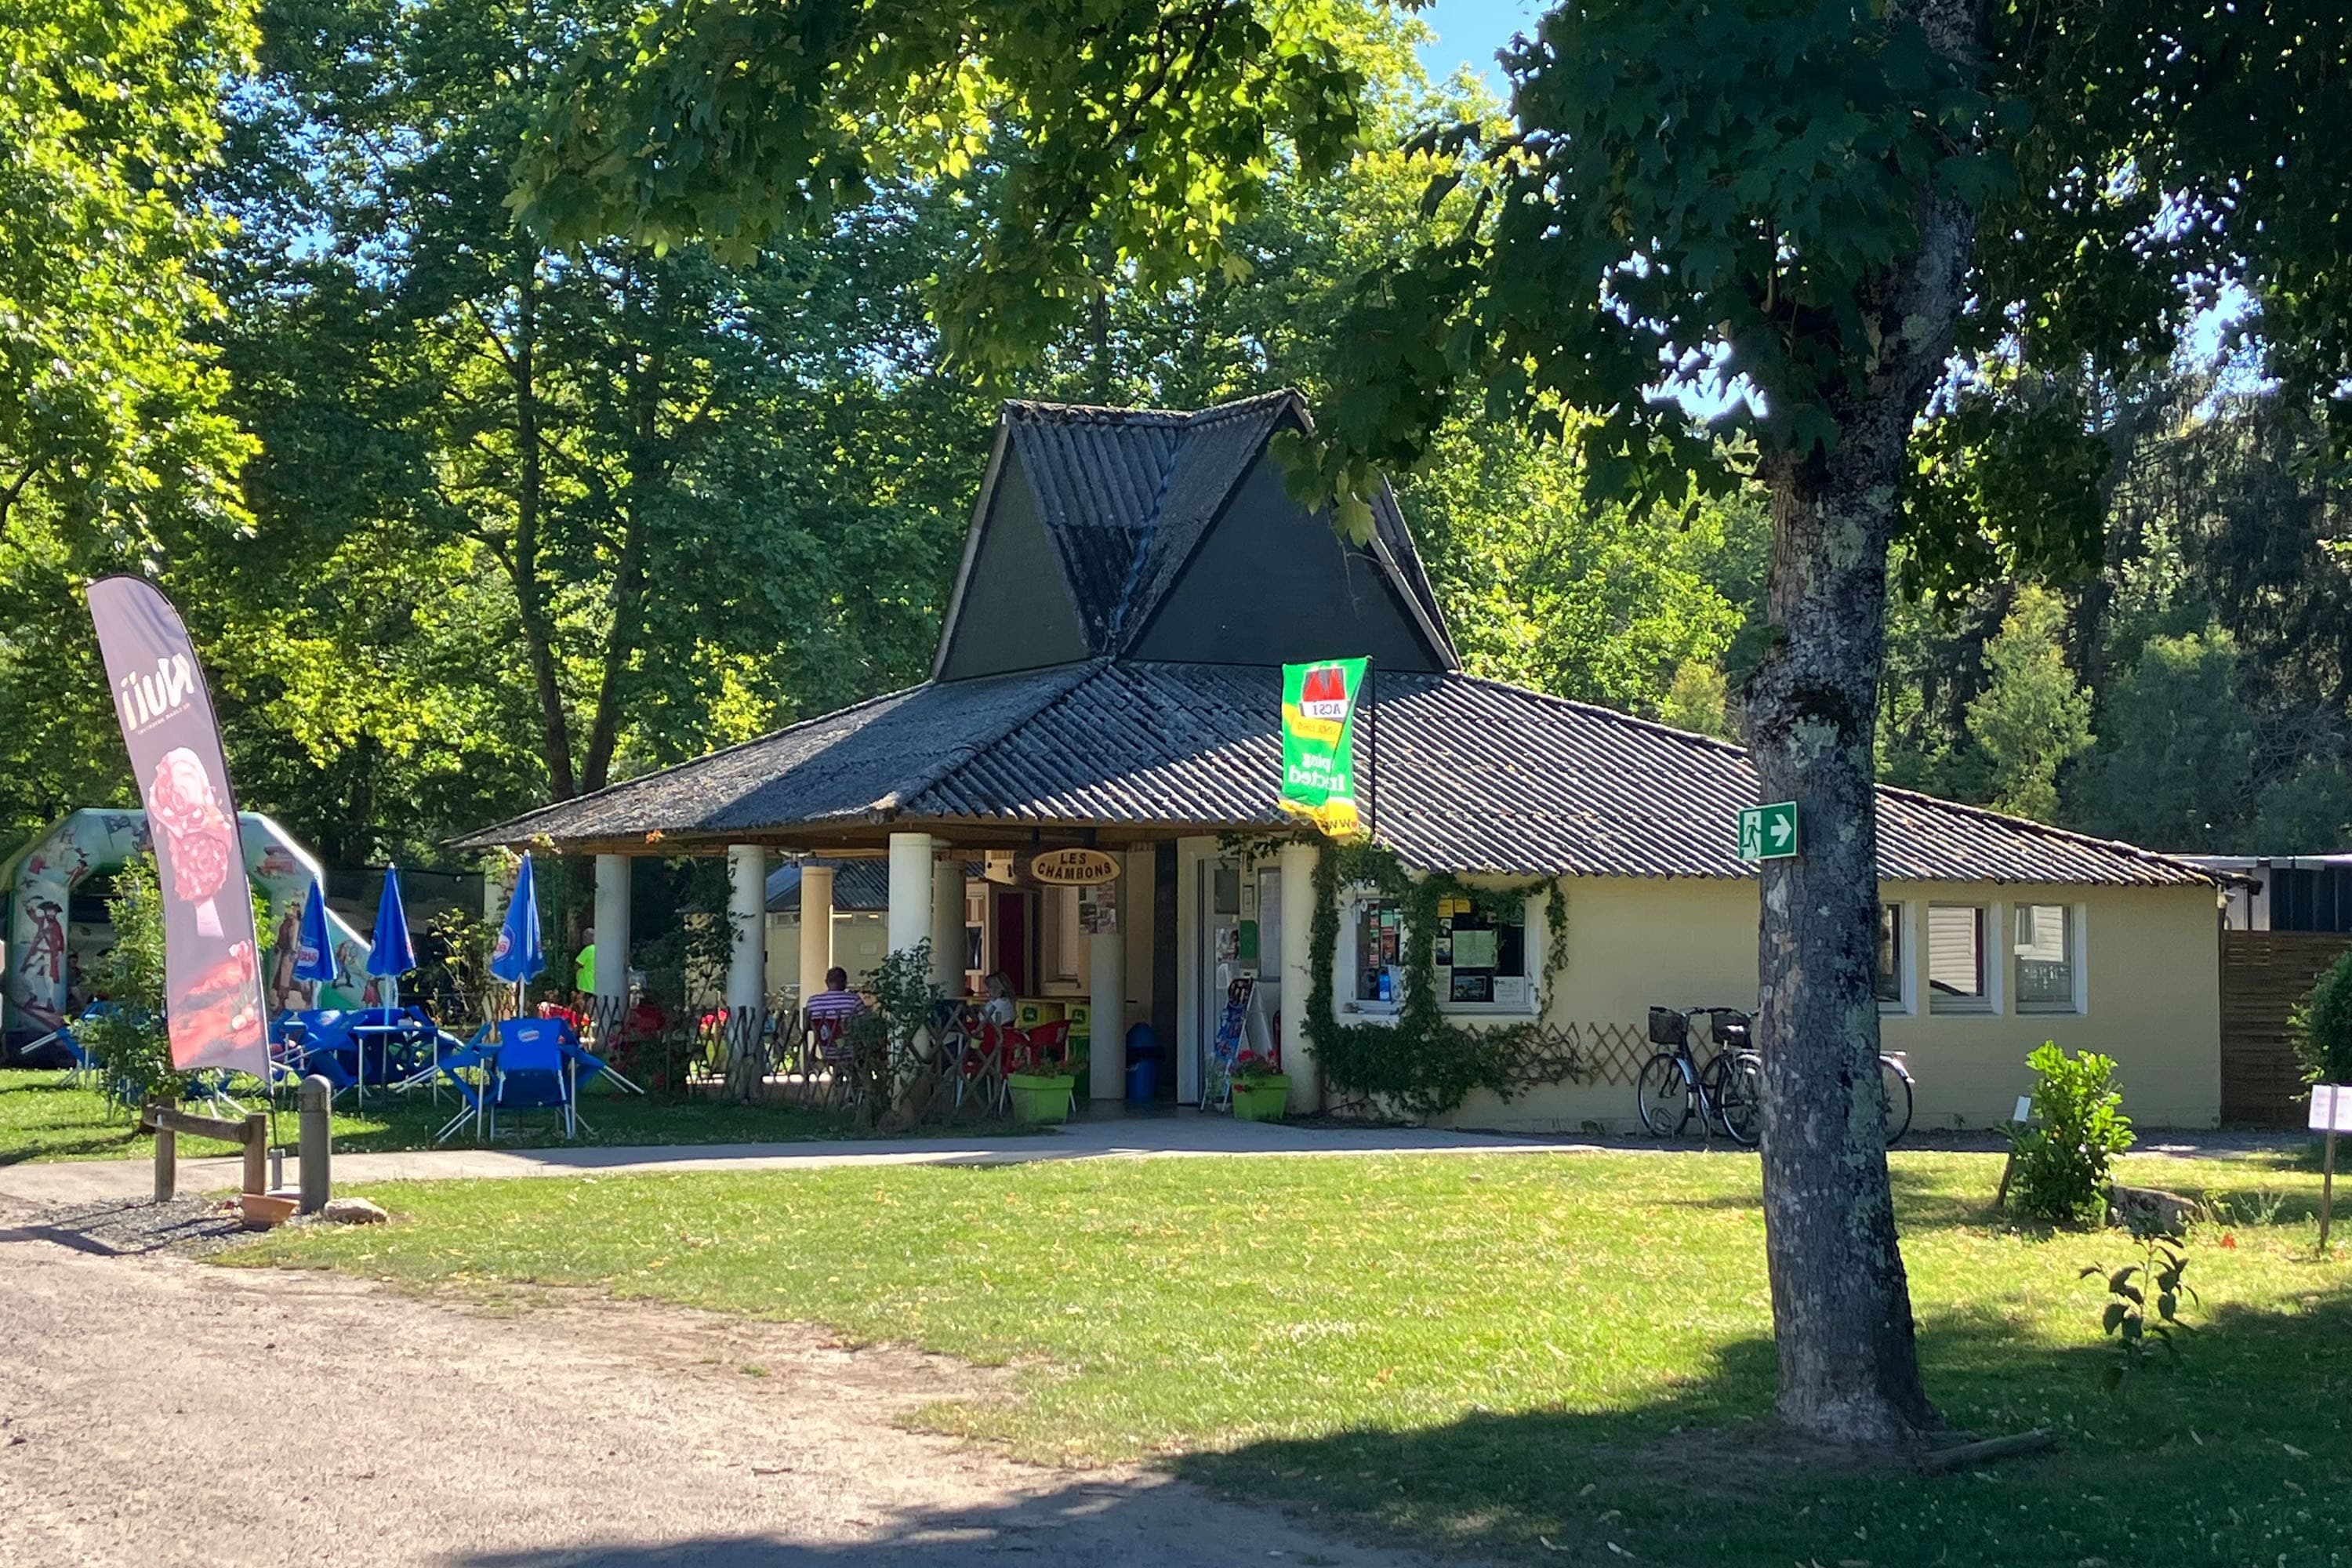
[(533, 1071)]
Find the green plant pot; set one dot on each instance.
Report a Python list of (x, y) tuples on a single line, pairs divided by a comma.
[(1039, 1099), (1262, 1102)]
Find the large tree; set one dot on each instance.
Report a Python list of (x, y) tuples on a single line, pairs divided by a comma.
[(114, 451), (558, 515), (1908, 229)]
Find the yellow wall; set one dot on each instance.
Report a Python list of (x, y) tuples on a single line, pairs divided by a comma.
[(860, 941), (2150, 961)]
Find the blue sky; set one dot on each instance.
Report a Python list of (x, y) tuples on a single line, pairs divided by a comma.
[(1472, 30)]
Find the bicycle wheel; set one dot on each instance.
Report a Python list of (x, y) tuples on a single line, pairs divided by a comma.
[(1898, 1102), (1736, 1085), (1664, 1096)]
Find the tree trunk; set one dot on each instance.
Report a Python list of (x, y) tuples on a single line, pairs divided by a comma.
[(530, 596), (644, 471), (1841, 1302)]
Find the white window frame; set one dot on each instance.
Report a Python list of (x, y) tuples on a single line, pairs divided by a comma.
[(1907, 957), (1352, 904), (1992, 927), (2077, 926)]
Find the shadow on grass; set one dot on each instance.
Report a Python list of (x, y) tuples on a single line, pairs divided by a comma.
[(1692, 1477), (1701, 1476)]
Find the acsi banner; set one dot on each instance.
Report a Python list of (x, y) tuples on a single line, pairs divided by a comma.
[(212, 972), (1319, 741)]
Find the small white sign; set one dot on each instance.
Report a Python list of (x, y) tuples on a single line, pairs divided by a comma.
[(2331, 1108), (2024, 1111)]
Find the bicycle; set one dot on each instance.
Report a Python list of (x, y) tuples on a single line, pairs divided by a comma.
[(1725, 1092), (1896, 1073)]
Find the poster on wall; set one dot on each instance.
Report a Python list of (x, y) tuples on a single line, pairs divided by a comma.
[(1099, 910), (212, 967), (1319, 743)]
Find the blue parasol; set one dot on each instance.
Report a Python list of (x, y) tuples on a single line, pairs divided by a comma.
[(518, 957), (314, 955), (391, 955)]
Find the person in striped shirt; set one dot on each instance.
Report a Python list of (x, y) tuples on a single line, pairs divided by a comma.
[(836, 1000)]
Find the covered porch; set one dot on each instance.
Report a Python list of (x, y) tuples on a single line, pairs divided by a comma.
[(1151, 941)]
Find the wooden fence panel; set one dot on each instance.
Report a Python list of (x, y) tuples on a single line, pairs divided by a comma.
[(2264, 974)]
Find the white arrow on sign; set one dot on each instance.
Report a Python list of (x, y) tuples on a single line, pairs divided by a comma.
[(1781, 828)]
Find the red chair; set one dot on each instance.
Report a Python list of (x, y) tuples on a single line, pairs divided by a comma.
[(828, 1036)]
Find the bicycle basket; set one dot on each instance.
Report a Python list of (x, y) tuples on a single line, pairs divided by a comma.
[(1667, 1027)]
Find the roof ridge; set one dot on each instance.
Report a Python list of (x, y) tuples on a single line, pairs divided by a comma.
[(1128, 413), (2046, 829), (1148, 533), (956, 757)]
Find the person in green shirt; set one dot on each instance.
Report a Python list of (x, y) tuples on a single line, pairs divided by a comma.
[(584, 970)]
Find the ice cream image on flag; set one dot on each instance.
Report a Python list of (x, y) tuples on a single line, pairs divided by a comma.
[(203, 836)]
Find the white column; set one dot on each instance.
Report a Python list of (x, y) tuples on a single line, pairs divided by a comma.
[(612, 973), (816, 928), (1106, 999), (1297, 863), (947, 923), (746, 913), (911, 890)]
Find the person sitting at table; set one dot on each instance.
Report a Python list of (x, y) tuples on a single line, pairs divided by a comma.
[(836, 1000), (998, 1008)]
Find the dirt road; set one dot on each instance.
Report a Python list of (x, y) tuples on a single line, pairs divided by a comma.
[(156, 1412)]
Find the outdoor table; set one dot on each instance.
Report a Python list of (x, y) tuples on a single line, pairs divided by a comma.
[(481, 1054)]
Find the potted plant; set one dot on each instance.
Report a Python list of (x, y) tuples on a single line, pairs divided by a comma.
[(1041, 1097), (1260, 1089)]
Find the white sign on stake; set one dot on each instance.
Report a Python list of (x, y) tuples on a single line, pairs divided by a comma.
[(2331, 1108)]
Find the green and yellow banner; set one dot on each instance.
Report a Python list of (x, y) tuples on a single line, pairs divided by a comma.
[(1319, 743)]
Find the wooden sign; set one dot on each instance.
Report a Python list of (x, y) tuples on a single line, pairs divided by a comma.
[(1074, 867)]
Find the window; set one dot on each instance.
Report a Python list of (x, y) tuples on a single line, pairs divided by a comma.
[(1379, 952), (2044, 951), (1890, 957), (1956, 959), (1481, 961)]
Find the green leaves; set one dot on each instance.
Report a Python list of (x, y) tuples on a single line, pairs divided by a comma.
[(1154, 122), (110, 434)]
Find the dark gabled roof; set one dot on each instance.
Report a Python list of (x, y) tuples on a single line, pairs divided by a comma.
[(1471, 776), (1126, 495)]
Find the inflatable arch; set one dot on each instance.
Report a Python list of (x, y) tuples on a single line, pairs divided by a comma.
[(40, 879)]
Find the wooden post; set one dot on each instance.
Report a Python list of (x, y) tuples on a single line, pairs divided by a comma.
[(257, 1152), (2327, 1189), (167, 1152), (318, 1100)]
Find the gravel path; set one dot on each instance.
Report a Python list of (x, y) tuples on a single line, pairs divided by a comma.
[(156, 1412)]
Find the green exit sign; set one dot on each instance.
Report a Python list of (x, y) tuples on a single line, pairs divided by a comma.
[(1768, 832)]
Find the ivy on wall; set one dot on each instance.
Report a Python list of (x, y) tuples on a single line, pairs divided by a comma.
[(1420, 1062)]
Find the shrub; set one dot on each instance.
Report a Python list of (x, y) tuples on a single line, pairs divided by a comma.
[(129, 1042), (2323, 1027), (2078, 1128)]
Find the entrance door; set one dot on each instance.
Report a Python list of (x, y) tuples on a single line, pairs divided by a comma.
[(1011, 938), (1221, 956)]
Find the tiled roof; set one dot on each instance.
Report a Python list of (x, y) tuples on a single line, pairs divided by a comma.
[(1125, 494), (1470, 775)]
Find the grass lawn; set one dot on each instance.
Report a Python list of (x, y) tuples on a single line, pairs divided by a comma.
[(42, 1120), (1536, 1355)]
